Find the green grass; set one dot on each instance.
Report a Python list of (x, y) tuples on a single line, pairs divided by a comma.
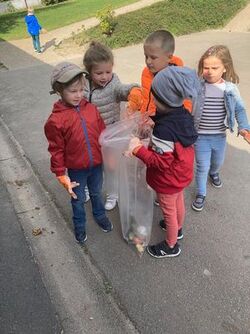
[(12, 25), (179, 17)]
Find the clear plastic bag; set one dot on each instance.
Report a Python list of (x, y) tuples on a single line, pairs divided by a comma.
[(126, 177)]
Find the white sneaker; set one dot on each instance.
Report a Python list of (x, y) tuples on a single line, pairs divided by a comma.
[(87, 198), (110, 203)]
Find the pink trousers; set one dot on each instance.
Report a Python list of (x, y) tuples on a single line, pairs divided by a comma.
[(173, 209)]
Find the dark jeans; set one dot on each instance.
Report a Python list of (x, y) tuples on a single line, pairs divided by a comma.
[(93, 178), (36, 42)]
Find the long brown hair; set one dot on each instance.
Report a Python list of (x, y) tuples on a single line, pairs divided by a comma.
[(221, 52)]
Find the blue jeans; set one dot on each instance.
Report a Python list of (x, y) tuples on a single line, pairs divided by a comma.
[(36, 42), (93, 178), (209, 156)]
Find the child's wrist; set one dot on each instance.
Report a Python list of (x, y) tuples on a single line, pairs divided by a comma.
[(136, 149)]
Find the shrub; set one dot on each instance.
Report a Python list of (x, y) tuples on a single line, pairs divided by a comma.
[(51, 2), (107, 21)]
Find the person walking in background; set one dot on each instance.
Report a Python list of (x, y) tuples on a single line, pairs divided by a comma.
[(34, 29), (219, 105), (73, 130)]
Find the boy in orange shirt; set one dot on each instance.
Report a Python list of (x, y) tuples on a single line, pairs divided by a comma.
[(158, 50)]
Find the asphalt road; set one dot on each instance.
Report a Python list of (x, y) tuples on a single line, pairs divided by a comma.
[(25, 306)]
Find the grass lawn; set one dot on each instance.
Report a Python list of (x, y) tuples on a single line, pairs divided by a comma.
[(12, 25), (179, 17)]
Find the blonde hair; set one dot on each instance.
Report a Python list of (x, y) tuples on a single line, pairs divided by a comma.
[(221, 52), (97, 53), (30, 10)]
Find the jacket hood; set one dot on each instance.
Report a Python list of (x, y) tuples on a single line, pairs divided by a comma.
[(61, 106), (176, 125)]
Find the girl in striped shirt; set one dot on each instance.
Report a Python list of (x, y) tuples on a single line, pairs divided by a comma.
[(219, 105)]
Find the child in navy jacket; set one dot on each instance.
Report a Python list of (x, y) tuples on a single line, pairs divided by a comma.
[(170, 155)]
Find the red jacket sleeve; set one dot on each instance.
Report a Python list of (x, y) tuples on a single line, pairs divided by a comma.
[(56, 147), (153, 159)]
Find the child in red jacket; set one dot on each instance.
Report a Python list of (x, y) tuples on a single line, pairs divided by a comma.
[(170, 155), (72, 131)]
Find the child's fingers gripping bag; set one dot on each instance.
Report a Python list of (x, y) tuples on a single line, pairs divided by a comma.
[(127, 178)]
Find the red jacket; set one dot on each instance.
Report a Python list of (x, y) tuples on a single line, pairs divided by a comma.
[(73, 134), (170, 156)]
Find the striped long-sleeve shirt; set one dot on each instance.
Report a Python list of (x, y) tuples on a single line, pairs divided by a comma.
[(214, 112)]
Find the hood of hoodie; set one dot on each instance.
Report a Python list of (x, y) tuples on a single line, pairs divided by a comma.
[(176, 125), (61, 106)]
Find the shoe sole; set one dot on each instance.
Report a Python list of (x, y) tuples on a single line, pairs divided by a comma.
[(108, 209), (215, 186), (196, 209), (163, 256), (81, 243), (178, 238)]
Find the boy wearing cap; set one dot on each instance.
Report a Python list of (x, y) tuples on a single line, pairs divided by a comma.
[(170, 155), (72, 130)]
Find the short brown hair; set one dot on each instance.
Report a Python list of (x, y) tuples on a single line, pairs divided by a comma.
[(164, 37)]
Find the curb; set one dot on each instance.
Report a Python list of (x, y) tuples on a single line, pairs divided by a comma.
[(76, 287)]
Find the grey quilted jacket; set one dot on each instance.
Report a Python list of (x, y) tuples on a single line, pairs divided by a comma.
[(108, 98)]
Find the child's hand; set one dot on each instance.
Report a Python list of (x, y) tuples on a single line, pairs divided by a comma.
[(246, 135), (43, 31), (135, 99), (133, 147), (68, 185)]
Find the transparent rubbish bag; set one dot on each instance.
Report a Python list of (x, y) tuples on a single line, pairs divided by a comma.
[(135, 203), (126, 178)]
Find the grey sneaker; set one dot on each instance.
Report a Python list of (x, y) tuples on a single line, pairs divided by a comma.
[(198, 203), (215, 180), (163, 227)]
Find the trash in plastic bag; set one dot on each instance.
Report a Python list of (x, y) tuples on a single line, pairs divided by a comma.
[(126, 178)]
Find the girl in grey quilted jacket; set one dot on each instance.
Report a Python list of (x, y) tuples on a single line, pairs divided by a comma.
[(104, 89)]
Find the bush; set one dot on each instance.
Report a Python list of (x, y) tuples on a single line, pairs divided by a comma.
[(107, 21), (51, 2)]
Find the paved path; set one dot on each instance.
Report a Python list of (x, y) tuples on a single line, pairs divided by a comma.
[(10, 58)]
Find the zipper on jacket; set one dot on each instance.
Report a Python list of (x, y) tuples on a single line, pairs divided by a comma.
[(84, 127)]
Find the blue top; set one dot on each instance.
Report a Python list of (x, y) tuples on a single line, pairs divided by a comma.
[(33, 26)]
